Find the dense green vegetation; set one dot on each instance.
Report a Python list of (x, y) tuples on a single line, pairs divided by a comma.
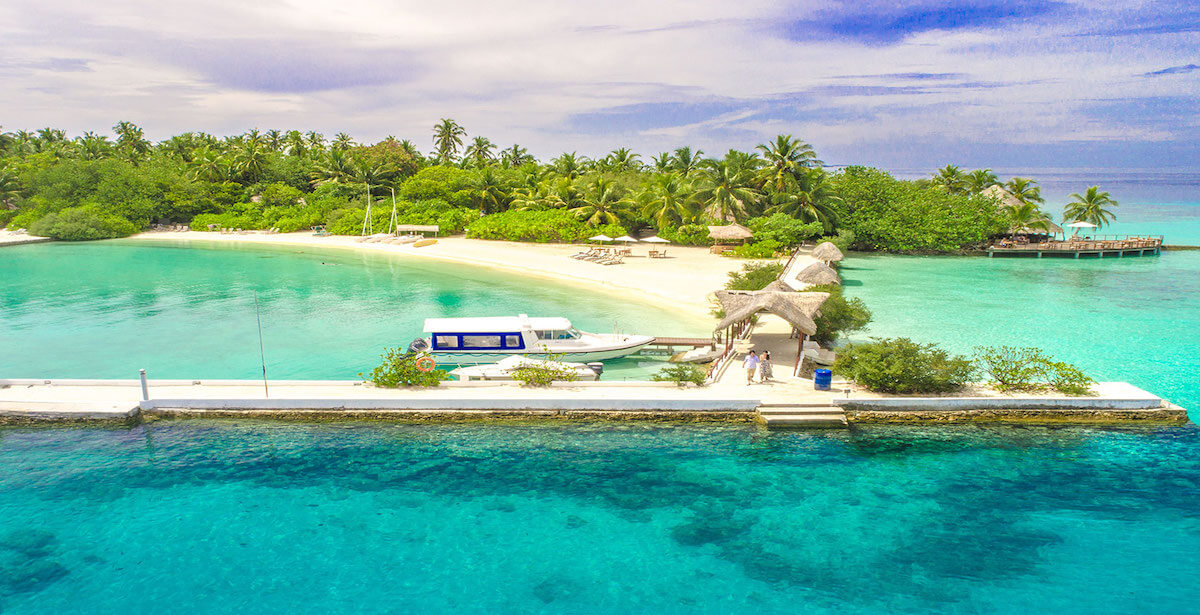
[(681, 374), (754, 276), (901, 365), (398, 368), (1031, 369), (839, 314), (92, 187)]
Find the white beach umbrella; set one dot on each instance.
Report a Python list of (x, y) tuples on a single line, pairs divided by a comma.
[(1078, 224), (600, 238), (654, 239), (626, 239)]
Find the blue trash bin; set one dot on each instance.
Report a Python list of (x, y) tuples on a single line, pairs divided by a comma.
[(822, 378)]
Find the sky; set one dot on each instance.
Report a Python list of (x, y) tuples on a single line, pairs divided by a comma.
[(901, 85)]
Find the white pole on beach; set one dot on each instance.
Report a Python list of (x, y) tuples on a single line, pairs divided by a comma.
[(392, 222), (262, 355), (367, 218)]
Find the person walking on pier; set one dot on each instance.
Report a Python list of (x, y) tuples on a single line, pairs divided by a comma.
[(764, 367), (751, 365)]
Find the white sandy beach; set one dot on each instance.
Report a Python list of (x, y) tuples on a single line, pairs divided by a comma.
[(683, 281)]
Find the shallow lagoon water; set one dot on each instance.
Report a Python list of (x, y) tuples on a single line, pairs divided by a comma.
[(186, 309), (217, 517)]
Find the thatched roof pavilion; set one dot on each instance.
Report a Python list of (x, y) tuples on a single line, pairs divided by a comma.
[(730, 232), (817, 274), (798, 309), (827, 252)]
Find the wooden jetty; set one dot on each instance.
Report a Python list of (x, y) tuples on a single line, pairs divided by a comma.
[(670, 343), (1105, 245)]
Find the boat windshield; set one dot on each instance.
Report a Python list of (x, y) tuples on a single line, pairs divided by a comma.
[(559, 334)]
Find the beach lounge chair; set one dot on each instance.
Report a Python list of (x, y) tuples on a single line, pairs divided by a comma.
[(616, 260)]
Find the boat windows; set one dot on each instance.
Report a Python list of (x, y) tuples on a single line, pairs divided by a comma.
[(478, 341), (559, 334)]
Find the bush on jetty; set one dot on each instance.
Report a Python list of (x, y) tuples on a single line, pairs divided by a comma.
[(544, 374), (839, 314), (1031, 369), (681, 374), (754, 276), (399, 368), (901, 365)]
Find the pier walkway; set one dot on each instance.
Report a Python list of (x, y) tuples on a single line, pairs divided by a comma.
[(1104, 245)]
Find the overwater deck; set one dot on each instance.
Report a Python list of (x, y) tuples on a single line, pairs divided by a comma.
[(1107, 245)]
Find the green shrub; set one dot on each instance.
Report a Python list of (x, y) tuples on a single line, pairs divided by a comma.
[(760, 249), (844, 240), (546, 226), (399, 368), (82, 224), (839, 314), (542, 374), (784, 229), (754, 276), (681, 374), (901, 365), (687, 235), (1030, 369), (227, 220)]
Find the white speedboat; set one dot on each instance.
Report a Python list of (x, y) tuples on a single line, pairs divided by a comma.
[(503, 369), (466, 341)]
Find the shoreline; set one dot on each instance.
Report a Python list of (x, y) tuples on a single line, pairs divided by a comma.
[(683, 282)]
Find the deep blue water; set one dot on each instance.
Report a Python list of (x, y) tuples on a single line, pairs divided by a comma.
[(218, 517)]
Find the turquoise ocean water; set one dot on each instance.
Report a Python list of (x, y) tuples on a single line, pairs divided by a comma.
[(220, 516), (186, 310)]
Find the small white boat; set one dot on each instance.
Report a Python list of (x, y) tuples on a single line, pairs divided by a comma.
[(503, 369), (465, 341)]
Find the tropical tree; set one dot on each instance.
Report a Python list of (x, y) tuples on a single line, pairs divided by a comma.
[(621, 160), (1026, 190), (515, 156), (370, 172), (567, 165), (951, 179), (662, 162), (479, 152), (251, 159), (336, 167), (743, 161), (448, 138), (491, 194), (411, 150), (811, 199), (274, 140), (208, 165), (131, 141), (9, 190), (981, 179), (295, 143), (726, 190), (786, 161), (1091, 207), (668, 199), (316, 140), (342, 141), (93, 146), (603, 203), (685, 162), (1024, 216)]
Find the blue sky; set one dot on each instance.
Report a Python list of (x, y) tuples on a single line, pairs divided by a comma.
[(1031, 83)]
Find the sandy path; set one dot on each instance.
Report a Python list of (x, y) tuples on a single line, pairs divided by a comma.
[(683, 281)]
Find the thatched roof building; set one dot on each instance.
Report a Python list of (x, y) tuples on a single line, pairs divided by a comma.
[(730, 232), (798, 309), (817, 274), (827, 252), (1006, 199)]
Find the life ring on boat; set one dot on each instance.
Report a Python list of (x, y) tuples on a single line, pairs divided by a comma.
[(426, 364)]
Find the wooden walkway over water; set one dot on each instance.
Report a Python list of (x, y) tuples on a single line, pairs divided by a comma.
[(1106, 245)]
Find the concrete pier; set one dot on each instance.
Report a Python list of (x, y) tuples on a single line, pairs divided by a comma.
[(783, 405)]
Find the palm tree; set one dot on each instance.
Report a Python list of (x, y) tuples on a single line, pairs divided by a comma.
[(662, 163), (131, 140), (726, 191), (668, 199), (447, 137), (515, 156), (1090, 207), (9, 190), (812, 200), (951, 179), (208, 165), (491, 194), (786, 159), (603, 203), (479, 152), (24, 143), (1026, 190), (1022, 216), (981, 179), (411, 150), (251, 159), (742, 161), (686, 162), (342, 141), (93, 146), (621, 160), (565, 194), (335, 168), (567, 165), (316, 140), (295, 143), (274, 139), (371, 173), (6, 140)]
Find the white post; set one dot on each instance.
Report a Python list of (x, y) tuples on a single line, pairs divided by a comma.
[(145, 387)]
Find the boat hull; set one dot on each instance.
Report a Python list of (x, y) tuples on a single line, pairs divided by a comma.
[(472, 358)]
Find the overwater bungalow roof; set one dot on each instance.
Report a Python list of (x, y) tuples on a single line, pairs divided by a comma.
[(798, 309)]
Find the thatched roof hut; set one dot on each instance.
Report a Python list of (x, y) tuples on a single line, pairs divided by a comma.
[(827, 252), (798, 309), (1007, 199), (817, 274), (730, 232)]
